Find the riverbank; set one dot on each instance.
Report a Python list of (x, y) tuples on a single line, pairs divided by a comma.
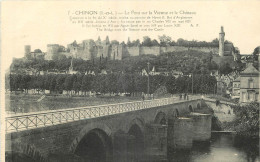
[(31, 103), (24, 103)]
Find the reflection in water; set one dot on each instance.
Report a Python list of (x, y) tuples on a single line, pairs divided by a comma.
[(221, 148)]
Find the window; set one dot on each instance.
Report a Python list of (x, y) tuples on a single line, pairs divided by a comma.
[(251, 96), (250, 83)]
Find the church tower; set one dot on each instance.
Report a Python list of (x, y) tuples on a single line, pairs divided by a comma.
[(221, 41)]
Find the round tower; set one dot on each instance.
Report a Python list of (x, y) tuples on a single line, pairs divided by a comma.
[(221, 41), (52, 49), (27, 49)]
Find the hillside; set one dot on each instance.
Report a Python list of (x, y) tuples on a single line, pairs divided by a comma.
[(184, 61)]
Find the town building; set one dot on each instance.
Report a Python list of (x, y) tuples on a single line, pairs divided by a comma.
[(236, 88), (249, 84)]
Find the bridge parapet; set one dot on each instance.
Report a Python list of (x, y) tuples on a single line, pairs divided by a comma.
[(54, 117)]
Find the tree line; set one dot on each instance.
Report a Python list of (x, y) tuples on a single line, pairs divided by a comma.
[(110, 83)]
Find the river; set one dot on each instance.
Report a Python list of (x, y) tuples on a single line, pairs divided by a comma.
[(221, 148)]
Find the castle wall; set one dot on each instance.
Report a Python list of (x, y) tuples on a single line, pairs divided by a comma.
[(67, 54), (150, 50), (114, 52), (88, 49), (173, 49), (106, 51), (133, 51), (119, 53), (99, 51), (213, 50)]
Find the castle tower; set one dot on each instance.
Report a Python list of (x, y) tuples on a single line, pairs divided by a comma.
[(27, 49), (52, 49), (107, 40), (221, 41)]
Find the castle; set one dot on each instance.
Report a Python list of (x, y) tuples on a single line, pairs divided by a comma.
[(90, 49)]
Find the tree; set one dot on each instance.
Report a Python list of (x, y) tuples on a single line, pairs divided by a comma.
[(147, 41), (115, 42), (136, 42), (181, 42), (68, 83), (165, 40), (171, 85), (225, 69), (37, 51), (52, 83), (60, 83), (86, 83), (215, 41), (77, 83), (256, 53), (154, 43), (247, 119)]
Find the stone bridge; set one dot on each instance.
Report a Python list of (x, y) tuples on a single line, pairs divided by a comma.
[(135, 131)]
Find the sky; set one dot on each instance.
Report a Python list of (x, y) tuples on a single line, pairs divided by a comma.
[(47, 22)]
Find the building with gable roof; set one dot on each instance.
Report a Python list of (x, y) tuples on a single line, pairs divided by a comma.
[(249, 84)]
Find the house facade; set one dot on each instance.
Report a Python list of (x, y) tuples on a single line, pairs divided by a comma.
[(249, 84)]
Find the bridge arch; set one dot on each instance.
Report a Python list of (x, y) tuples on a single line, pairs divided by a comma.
[(190, 108), (160, 118), (177, 113), (198, 106), (23, 152), (135, 142), (94, 143), (136, 121)]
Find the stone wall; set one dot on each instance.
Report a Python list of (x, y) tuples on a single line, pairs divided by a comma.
[(99, 51), (133, 51), (173, 49), (213, 50), (106, 51), (150, 50)]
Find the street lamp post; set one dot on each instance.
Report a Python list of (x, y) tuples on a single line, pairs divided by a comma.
[(148, 85), (192, 83)]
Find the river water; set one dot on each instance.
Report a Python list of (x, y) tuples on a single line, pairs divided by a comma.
[(221, 148)]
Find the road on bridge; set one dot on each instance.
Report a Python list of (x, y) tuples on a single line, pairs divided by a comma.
[(26, 121)]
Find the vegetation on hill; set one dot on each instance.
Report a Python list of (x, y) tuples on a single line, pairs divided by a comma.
[(184, 61), (246, 122), (247, 119)]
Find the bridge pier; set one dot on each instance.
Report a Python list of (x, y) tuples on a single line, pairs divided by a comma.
[(120, 146), (201, 126), (156, 142), (180, 134)]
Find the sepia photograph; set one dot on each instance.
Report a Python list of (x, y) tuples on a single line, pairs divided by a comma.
[(130, 81)]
